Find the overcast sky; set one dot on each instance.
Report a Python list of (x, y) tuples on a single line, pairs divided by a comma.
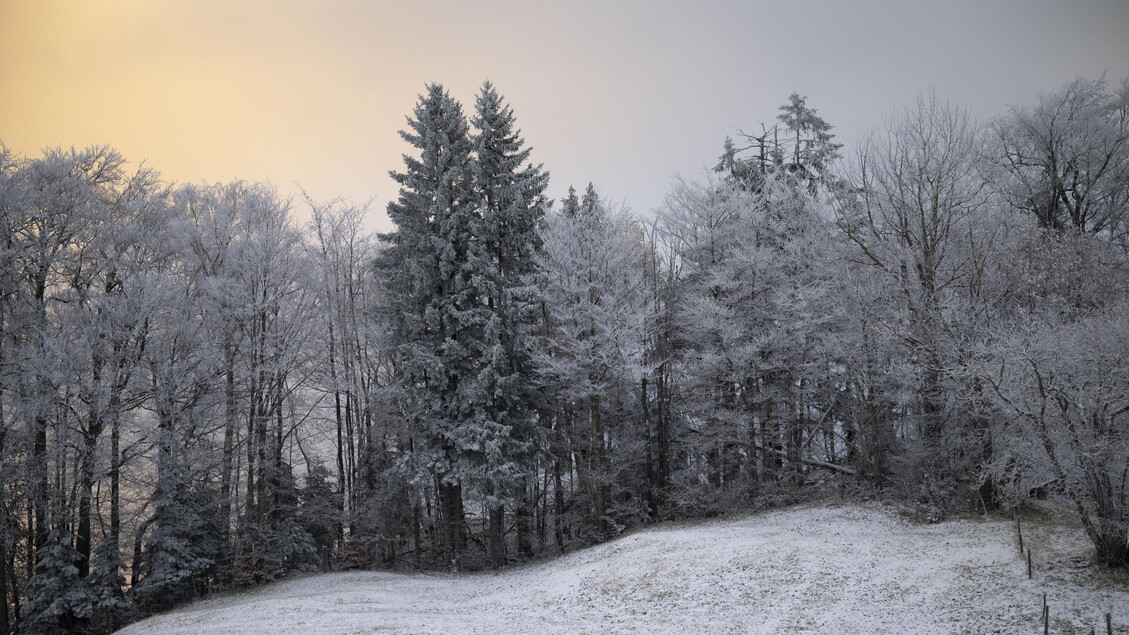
[(622, 93)]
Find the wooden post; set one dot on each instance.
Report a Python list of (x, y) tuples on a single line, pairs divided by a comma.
[(1029, 564), (1046, 618), (1109, 623), (1019, 534)]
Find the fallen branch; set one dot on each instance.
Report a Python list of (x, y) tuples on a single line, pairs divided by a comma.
[(842, 469)]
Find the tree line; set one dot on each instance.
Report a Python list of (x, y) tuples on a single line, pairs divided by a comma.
[(198, 392)]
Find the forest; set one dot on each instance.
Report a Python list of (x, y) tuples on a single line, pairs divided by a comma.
[(207, 387)]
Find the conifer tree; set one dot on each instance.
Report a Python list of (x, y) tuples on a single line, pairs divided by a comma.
[(512, 201), (437, 277), (812, 147), (59, 600)]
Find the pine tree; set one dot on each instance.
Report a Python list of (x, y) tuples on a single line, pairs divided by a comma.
[(185, 543), (59, 600), (812, 147), (570, 205), (811, 153), (437, 277), (512, 204)]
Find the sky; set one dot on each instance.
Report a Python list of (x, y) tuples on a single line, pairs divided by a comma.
[(627, 94)]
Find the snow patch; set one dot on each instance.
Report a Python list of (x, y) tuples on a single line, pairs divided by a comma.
[(846, 569)]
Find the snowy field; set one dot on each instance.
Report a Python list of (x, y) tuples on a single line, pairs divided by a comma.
[(841, 569)]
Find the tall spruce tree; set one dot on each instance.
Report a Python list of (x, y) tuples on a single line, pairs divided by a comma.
[(438, 277), (512, 202)]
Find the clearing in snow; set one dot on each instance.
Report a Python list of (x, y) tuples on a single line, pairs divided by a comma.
[(841, 569)]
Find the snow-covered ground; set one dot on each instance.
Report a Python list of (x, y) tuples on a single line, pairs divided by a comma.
[(839, 569)]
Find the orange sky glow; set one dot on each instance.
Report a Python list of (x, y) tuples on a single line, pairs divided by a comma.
[(625, 94)]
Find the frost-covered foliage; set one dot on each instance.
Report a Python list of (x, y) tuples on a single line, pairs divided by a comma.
[(185, 542), (924, 222), (512, 204), (456, 280), (591, 358), (759, 330), (1065, 160), (195, 392), (59, 600), (1062, 393), (437, 277), (800, 144)]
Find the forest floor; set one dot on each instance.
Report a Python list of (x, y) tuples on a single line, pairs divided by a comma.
[(849, 568)]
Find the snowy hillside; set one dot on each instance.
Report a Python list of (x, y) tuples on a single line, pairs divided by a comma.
[(845, 569)]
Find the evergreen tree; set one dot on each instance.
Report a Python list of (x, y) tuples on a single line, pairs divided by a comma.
[(512, 204), (108, 583), (438, 276), (801, 144), (570, 205), (812, 147), (59, 600)]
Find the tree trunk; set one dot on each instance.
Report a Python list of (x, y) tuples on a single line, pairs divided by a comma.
[(598, 477), (37, 491), (37, 498), (558, 506), (496, 537), (135, 566), (416, 537), (795, 439), (114, 537), (229, 423), (662, 398), (5, 533), (522, 523), (5, 626), (86, 491), (252, 414), (768, 459), (451, 502)]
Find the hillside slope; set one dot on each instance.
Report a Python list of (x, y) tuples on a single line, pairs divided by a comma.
[(842, 569)]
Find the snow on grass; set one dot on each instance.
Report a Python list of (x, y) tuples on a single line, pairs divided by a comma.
[(843, 569)]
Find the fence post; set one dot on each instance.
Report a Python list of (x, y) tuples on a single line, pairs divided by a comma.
[(1029, 563), (1019, 533)]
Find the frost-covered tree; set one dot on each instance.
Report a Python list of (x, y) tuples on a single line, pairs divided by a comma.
[(800, 143), (184, 537), (1062, 393), (108, 318), (353, 373), (59, 599), (13, 194), (923, 219), (813, 149), (921, 197), (1066, 159), (755, 317), (512, 204), (591, 361), (438, 277)]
